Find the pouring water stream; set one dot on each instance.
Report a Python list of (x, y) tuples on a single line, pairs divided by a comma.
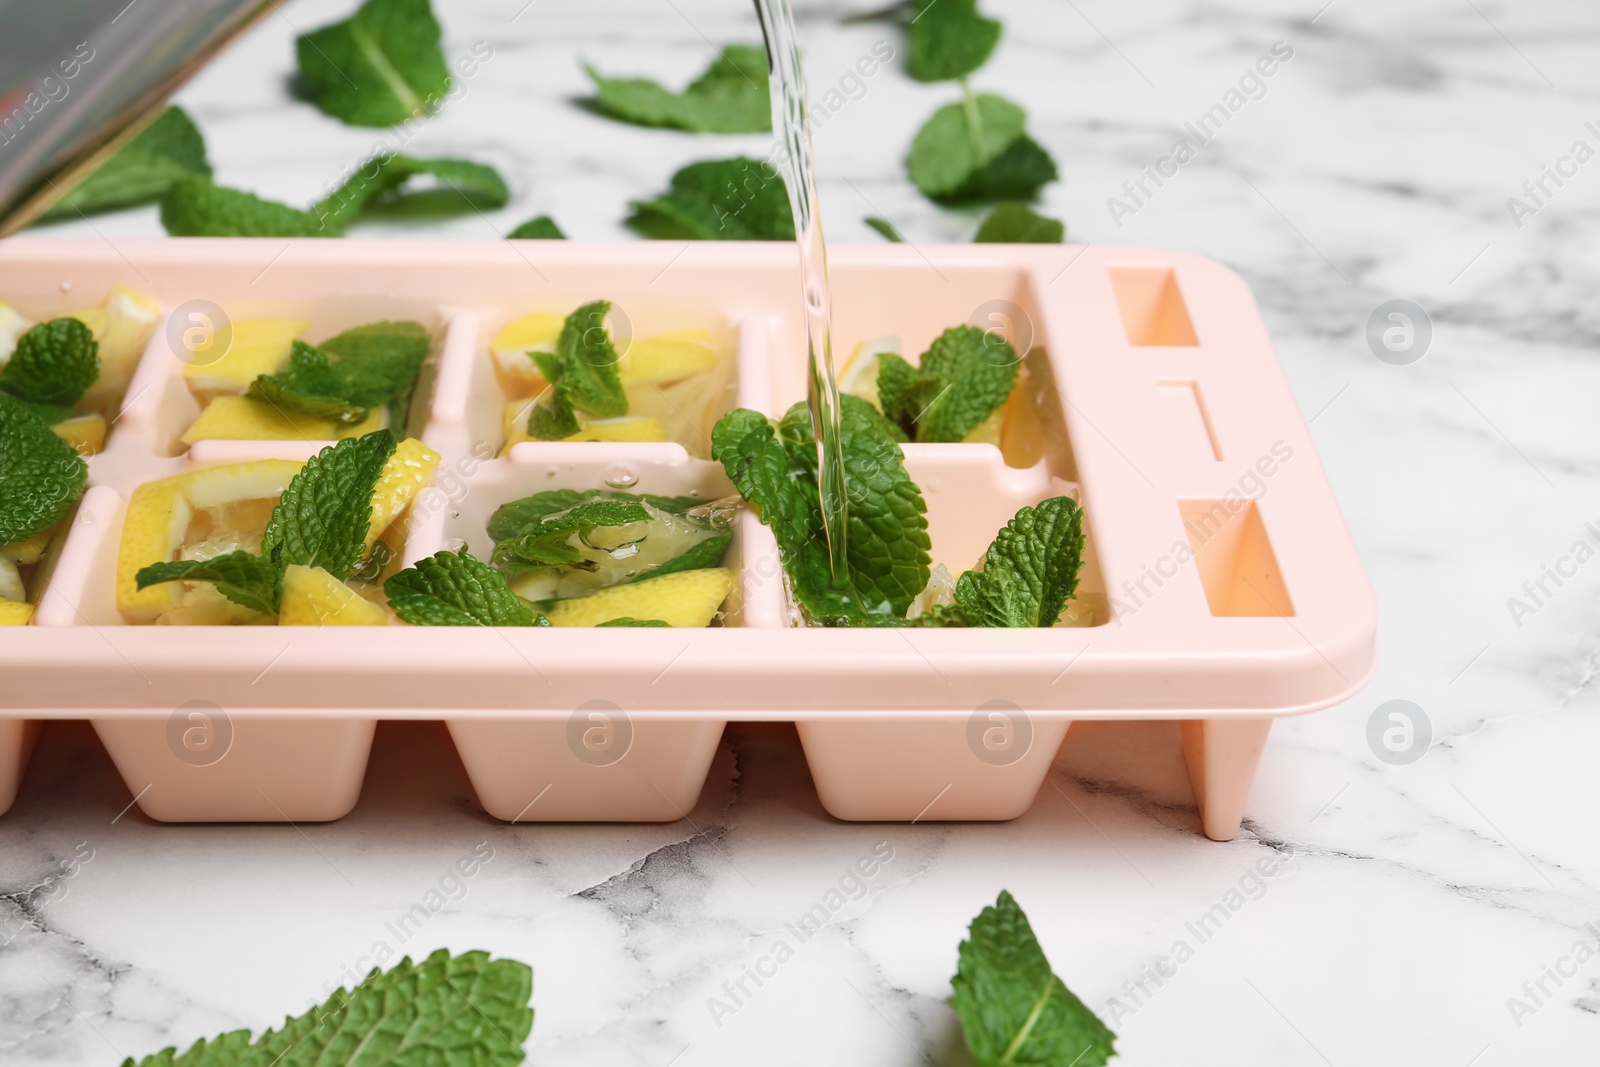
[(789, 120)]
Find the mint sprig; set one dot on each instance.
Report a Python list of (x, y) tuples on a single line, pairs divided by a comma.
[(41, 477), (730, 97), (739, 199), (54, 364), (1031, 569), (546, 544), (347, 375), (516, 517), (446, 1011), (169, 148), (1013, 1009), (455, 589), (583, 376), (949, 39), (964, 376), (379, 67)]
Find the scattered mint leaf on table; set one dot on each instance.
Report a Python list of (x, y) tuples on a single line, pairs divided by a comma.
[(243, 577), (1013, 1009), (443, 1012), (739, 199), (169, 148), (1030, 570), (322, 518), (885, 228), (730, 97), (1019, 224), (454, 589), (949, 39), (978, 150), (379, 67), (195, 207), (542, 228), (54, 364), (965, 375), (41, 477)]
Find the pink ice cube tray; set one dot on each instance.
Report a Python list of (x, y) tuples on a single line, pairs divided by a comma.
[(1225, 587)]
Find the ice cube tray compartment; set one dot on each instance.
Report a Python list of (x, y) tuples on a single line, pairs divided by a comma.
[(554, 724)]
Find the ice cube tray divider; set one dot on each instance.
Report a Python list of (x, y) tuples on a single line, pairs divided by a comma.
[(1270, 615)]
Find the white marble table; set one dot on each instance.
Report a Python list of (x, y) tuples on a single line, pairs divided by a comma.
[(1407, 904)]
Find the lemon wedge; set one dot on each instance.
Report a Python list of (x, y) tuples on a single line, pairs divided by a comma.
[(257, 347), (11, 587), (537, 332), (404, 477), (242, 418), (29, 551), (14, 613), (665, 358), (685, 598), (158, 514), (859, 375), (85, 433), (629, 428), (313, 597)]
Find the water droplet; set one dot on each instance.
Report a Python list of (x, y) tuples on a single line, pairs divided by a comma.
[(621, 478), (66, 287), (814, 300), (455, 544)]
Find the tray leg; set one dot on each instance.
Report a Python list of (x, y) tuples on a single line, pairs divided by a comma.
[(240, 768), (1222, 755), (911, 768), (16, 745), (604, 768)]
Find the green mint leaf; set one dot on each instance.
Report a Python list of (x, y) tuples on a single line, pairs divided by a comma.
[(454, 589), (942, 615), (553, 417), (381, 186), (195, 207), (546, 544), (738, 199), (977, 370), (699, 556), (515, 518), (379, 67), (141, 170), (588, 363), (1013, 1009), (50, 413), (885, 228), (1030, 570), (54, 363), (977, 150), (774, 469), (41, 477), (730, 97), (905, 391), (629, 621), (447, 1011), (886, 539), (322, 518), (243, 577), (543, 228), (949, 40), (1020, 224), (286, 396), (342, 378)]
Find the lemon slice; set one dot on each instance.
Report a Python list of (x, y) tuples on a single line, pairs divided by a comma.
[(122, 327), (29, 551), (94, 318), (1022, 439), (859, 375), (516, 370), (685, 598), (664, 359), (85, 433), (629, 428), (215, 487), (404, 477), (15, 613), (152, 529), (241, 418), (258, 346), (989, 430), (313, 597)]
